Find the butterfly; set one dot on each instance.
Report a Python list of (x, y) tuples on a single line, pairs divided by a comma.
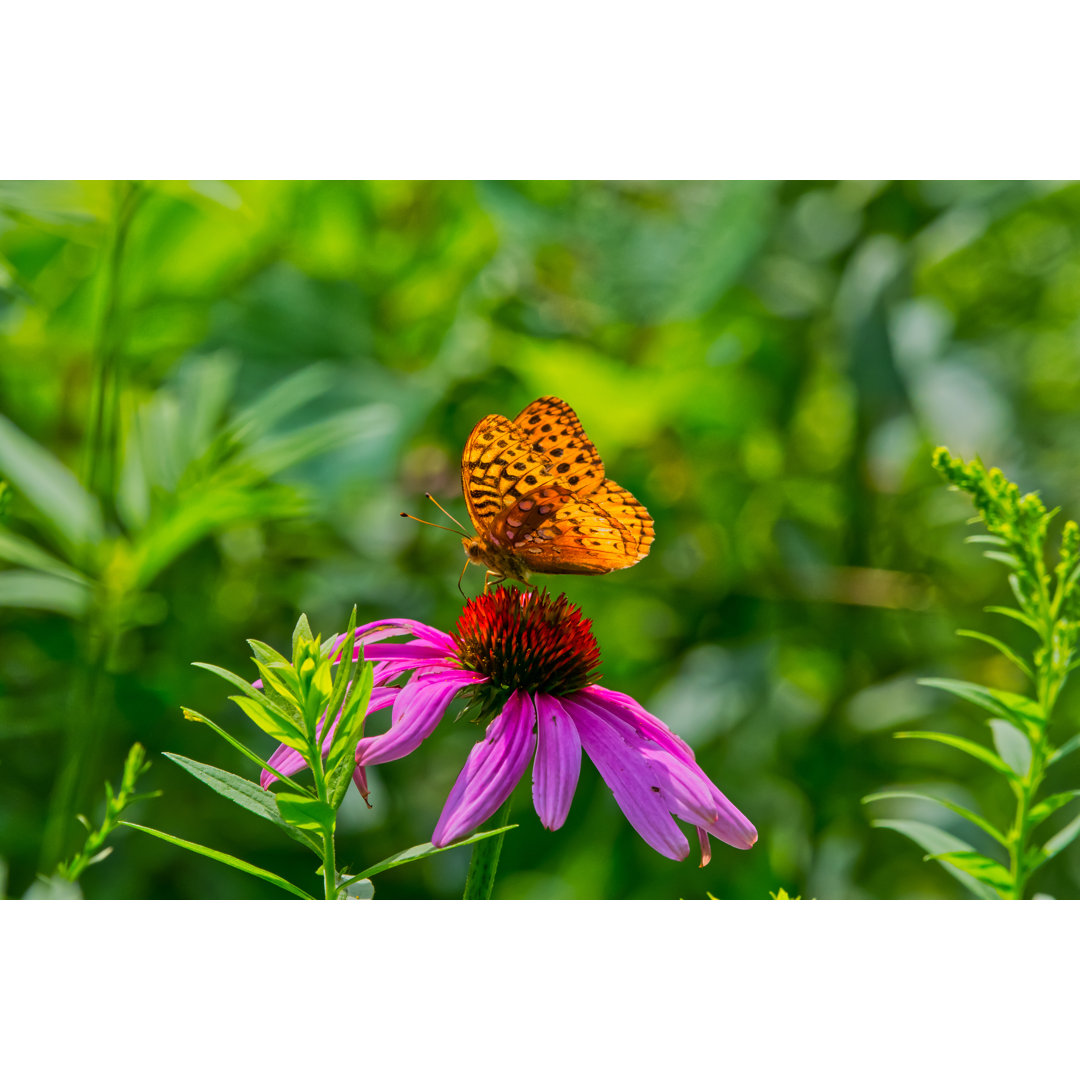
[(539, 500)]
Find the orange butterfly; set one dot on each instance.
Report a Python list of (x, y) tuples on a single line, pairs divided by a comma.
[(539, 500)]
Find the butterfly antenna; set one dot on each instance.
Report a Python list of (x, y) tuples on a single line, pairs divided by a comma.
[(461, 575), (428, 495), (434, 525)]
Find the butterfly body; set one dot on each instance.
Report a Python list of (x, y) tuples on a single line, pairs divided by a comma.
[(540, 502)]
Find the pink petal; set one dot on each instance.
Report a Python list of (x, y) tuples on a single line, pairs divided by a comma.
[(688, 790), (418, 708), (706, 848), (492, 770), (632, 781), (716, 813), (557, 763)]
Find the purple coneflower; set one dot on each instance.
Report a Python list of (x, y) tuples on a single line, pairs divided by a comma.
[(530, 662)]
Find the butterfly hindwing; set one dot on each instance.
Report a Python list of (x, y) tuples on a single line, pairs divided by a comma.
[(554, 532)]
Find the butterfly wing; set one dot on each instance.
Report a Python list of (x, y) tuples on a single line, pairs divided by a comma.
[(554, 532), (554, 431), (498, 467)]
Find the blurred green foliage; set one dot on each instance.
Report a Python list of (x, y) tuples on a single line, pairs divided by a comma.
[(216, 398)]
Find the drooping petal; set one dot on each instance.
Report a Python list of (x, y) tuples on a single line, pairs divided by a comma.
[(492, 770), (632, 780), (695, 798), (706, 847), (418, 708), (689, 792), (384, 628), (288, 761), (557, 763)]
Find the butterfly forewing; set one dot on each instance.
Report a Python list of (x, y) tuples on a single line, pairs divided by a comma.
[(497, 468), (554, 431)]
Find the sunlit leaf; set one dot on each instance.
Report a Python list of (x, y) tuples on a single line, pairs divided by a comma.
[(1048, 805), (988, 871), (304, 812), (1012, 746)]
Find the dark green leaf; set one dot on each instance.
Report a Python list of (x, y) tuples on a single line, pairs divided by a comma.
[(228, 860), (245, 794)]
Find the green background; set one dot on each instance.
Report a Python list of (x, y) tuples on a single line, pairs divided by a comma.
[(256, 378)]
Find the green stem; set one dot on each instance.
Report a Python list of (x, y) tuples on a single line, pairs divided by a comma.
[(485, 860), (329, 865)]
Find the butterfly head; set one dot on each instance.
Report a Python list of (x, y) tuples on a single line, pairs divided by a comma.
[(495, 557)]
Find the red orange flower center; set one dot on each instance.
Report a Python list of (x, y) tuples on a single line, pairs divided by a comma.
[(527, 641)]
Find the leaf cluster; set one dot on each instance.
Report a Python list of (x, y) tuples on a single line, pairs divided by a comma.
[(1047, 603)]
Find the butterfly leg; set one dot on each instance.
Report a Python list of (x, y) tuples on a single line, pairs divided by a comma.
[(499, 579)]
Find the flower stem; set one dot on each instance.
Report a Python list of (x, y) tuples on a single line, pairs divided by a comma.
[(485, 860), (329, 865)]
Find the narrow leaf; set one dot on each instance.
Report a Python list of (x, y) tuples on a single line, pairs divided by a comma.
[(1044, 809), (265, 653), (245, 794), (1012, 613), (983, 754), (956, 808), (228, 860), (69, 511), (22, 552), (989, 871), (1061, 840), (1064, 750), (43, 592), (935, 841), (984, 538), (422, 851), (1001, 647), (1011, 561), (301, 633), (994, 701)]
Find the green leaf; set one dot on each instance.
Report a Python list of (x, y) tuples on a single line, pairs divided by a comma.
[(422, 851), (956, 808), (245, 794), (1011, 561), (265, 653), (197, 717), (55, 887), (22, 552), (270, 714), (1023, 708), (1064, 750), (364, 889), (1012, 613), (935, 841), (1012, 746), (1060, 840), (68, 510), (1044, 809), (340, 760), (228, 860), (985, 538), (267, 717), (983, 754), (1001, 647), (43, 592), (304, 811), (988, 871), (301, 634)]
